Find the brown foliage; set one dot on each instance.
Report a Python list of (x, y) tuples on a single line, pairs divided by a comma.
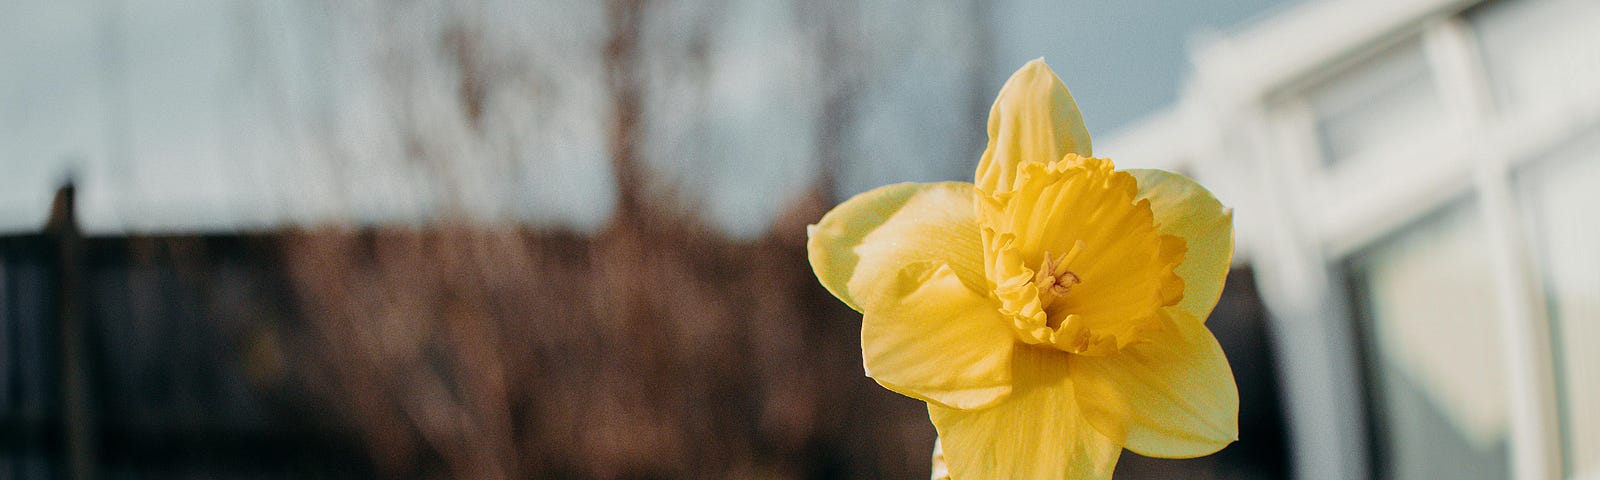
[(654, 349)]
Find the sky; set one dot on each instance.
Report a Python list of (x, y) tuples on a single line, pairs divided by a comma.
[(163, 115), (1122, 60)]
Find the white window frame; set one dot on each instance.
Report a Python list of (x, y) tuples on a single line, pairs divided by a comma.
[(1374, 195), (1245, 119)]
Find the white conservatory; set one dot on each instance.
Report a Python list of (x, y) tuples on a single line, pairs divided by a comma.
[(1415, 186)]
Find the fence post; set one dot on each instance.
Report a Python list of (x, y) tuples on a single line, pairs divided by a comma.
[(79, 432)]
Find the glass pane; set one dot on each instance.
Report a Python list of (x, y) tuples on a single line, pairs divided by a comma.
[(1539, 52), (1434, 352), (1558, 198), (1375, 104)]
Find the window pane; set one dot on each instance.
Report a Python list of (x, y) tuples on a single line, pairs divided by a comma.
[(1539, 52), (1434, 351), (1559, 197), (1378, 103)]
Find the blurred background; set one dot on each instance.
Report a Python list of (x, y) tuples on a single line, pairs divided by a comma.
[(565, 239)]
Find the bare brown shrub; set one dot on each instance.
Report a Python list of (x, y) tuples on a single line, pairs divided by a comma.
[(654, 349)]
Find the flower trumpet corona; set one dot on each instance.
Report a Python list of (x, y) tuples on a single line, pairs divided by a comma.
[(1051, 313)]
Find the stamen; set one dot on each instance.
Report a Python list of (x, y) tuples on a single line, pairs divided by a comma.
[(1064, 283), (1054, 280)]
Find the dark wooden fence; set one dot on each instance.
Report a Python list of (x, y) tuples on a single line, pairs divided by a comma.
[(653, 349), (121, 357)]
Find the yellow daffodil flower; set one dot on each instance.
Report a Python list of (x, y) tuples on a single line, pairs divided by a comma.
[(1052, 312)]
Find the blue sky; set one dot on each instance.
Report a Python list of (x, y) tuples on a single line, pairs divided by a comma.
[(173, 116), (1122, 60)]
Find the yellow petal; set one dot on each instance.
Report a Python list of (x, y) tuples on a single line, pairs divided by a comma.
[(908, 257), (1172, 396), (879, 232), (1037, 432), (930, 337), (1185, 209), (1033, 120)]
